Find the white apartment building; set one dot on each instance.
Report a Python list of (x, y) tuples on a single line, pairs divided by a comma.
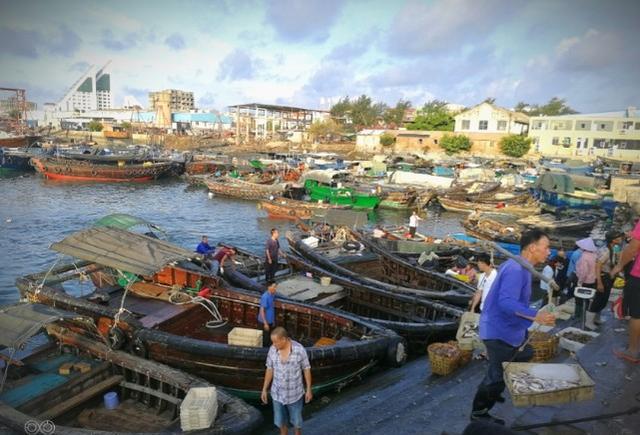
[(488, 118)]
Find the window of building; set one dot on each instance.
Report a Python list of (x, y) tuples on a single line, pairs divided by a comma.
[(435, 141), (566, 142), (483, 125), (420, 141), (626, 125), (502, 125), (555, 141), (466, 124), (637, 127)]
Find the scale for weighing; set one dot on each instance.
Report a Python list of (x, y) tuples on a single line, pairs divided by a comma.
[(586, 293)]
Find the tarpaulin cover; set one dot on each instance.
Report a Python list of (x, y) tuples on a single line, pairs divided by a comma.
[(20, 322), (122, 250)]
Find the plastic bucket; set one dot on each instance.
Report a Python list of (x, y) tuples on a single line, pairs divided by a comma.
[(111, 400), (325, 281)]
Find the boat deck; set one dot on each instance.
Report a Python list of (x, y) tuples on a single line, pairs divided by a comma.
[(302, 288)]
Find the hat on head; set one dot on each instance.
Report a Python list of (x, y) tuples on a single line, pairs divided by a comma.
[(587, 244)]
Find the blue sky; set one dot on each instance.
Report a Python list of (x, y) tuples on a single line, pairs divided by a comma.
[(312, 52)]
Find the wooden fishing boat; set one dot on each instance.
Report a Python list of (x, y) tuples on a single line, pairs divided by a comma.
[(58, 386), (340, 196), (285, 208), (492, 229), (402, 271), (201, 167), (145, 302), (441, 287), (548, 222), (235, 188), (418, 320), (117, 134), (469, 207), (399, 200), (65, 169)]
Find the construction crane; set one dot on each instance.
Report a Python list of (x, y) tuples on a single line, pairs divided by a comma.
[(17, 121)]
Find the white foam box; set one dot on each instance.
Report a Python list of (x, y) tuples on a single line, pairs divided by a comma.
[(199, 408), (570, 345), (245, 337)]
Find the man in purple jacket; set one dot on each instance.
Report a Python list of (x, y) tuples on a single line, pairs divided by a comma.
[(505, 319)]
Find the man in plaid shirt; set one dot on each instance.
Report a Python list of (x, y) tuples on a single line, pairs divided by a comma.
[(287, 361)]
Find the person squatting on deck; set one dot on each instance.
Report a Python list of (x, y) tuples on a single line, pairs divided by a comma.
[(267, 312), (204, 248), (505, 320), (287, 362), (272, 252), (631, 295)]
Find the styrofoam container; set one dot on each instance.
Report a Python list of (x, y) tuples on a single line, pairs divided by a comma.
[(472, 320), (570, 345), (245, 337), (199, 408), (311, 241), (325, 281)]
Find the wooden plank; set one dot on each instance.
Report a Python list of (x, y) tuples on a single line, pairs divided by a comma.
[(83, 396), (152, 392)]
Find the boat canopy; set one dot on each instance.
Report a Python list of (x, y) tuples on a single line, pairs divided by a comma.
[(22, 321), (423, 180), (122, 250), (348, 218), (326, 176), (123, 221), (555, 182)]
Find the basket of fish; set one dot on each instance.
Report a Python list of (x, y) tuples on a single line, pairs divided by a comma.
[(544, 345), (532, 384), (465, 355), (444, 358), (468, 336), (574, 339)]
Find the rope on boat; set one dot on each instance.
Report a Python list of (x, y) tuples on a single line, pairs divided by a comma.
[(122, 309), (208, 305), (41, 285), (6, 370)]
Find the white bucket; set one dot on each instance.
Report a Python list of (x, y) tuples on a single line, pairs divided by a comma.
[(325, 281)]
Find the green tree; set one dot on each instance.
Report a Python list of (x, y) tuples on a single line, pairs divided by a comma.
[(95, 126), (556, 106), (490, 100), (515, 145), (14, 114), (126, 125), (433, 116), (341, 108), (394, 116), (454, 143), (324, 129), (387, 139)]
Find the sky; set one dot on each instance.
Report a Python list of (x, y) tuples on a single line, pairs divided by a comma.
[(310, 53)]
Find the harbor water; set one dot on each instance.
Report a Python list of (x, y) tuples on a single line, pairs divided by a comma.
[(34, 213)]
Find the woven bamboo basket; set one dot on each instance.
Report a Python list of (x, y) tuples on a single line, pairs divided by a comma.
[(544, 346), (465, 354), (444, 358)]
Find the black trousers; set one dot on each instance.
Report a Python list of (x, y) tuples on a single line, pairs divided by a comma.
[(270, 270), (492, 386), (266, 335), (600, 300), (412, 231)]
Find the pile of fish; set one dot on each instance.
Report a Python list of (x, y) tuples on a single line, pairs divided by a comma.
[(577, 337), (470, 330), (526, 383), (445, 350)]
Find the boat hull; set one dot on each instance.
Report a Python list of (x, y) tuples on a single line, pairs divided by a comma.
[(70, 170)]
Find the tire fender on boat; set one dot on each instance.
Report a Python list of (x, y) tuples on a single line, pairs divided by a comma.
[(139, 348), (292, 212), (397, 352), (94, 172), (351, 245), (116, 338)]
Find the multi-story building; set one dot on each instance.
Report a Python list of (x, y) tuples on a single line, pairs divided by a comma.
[(178, 101), (612, 134), (488, 118), (92, 91)]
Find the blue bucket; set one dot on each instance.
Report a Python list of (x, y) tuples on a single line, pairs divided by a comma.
[(111, 400)]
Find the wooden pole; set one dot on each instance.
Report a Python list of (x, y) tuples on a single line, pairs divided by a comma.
[(552, 284)]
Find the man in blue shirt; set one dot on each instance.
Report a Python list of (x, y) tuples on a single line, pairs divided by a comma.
[(267, 313), (204, 248), (505, 319)]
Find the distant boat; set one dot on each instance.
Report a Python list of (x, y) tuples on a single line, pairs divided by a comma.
[(67, 169), (18, 141)]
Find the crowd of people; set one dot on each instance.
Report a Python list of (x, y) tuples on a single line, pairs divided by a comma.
[(503, 298)]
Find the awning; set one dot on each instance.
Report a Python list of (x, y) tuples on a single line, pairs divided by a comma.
[(122, 250), (20, 322)]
